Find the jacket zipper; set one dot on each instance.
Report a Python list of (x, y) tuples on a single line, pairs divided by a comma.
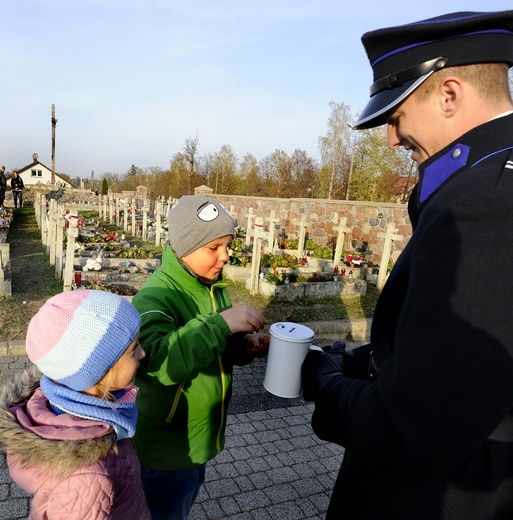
[(175, 403), (221, 370), (222, 374)]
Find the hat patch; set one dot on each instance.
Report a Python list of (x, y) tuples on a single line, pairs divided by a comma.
[(208, 213)]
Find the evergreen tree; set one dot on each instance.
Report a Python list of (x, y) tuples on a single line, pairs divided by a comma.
[(105, 187)]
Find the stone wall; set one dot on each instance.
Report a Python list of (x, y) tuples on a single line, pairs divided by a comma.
[(366, 220)]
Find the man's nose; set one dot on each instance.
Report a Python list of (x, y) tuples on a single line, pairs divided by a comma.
[(393, 139)]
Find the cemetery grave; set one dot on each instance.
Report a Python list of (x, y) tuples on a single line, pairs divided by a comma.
[(102, 258), (6, 216), (110, 262)]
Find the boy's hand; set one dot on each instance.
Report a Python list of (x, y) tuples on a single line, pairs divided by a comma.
[(257, 345), (243, 318)]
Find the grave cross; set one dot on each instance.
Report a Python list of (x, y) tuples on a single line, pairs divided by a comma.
[(302, 235), (258, 236), (145, 209), (273, 220), (389, 237), (159, 210), (111, 210), (70, 253), (250, 218), (59, 251), (342, 229), (43, 224), (52, 232), (41, 215), (133, 217), (125, 216), (117, 210), (233, 213)]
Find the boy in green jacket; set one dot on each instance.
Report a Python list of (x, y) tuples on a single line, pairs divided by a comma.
[(192, 337)]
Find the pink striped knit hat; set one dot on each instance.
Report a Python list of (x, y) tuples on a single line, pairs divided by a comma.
[(77, 336)]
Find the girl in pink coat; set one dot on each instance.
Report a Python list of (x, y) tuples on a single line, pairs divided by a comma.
[(68, 434)]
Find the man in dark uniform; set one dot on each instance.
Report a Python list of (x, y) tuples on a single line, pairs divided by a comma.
[(428, 430)]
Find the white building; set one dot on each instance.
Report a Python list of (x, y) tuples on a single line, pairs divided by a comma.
[(37, 173)]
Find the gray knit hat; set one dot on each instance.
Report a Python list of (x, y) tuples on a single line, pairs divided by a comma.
[(195, 221)]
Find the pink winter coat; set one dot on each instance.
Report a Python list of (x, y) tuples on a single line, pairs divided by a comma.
[(72, 466)]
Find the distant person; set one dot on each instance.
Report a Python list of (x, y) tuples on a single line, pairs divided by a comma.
[(425, 411), (3, 185), (68, 434), (192, 337), (17, 189)]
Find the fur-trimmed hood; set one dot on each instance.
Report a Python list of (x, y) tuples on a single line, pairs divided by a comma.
[(58, 444)]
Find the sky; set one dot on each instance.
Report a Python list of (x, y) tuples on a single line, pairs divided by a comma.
[(132, 80)]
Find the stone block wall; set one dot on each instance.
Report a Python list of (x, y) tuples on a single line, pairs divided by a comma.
[(366, 220)]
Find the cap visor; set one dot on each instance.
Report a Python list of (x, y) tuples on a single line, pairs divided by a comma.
[(374, 112)]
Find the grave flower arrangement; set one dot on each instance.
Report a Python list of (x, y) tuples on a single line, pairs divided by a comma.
[(237, 254), (132, 267), (93, 264), (5, 220), (240, 232), (352, 259), (283, 260), (135, 252)]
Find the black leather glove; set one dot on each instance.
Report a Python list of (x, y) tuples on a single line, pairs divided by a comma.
[(319, 367), (357, 363)]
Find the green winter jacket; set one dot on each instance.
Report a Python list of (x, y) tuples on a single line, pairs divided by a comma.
[(184, 383)]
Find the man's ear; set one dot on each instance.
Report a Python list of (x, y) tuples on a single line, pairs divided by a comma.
[(451, 91)]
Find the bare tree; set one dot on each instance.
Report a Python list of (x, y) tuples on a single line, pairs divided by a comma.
[(190, 151), (335, 145), (249, 176), (225, 169)]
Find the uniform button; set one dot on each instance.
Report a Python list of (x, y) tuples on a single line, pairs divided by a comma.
[(456, 153)]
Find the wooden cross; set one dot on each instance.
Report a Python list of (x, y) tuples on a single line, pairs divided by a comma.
[(302, 234), (125, 214), (273, 220), (258, 235), (133, 218), (70, 254), (250, 218), (389, 237), (145, 209), (342, 229)]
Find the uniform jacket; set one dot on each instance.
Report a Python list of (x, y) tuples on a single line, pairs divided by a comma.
[(72, 466), (431, 438), (185, 380)]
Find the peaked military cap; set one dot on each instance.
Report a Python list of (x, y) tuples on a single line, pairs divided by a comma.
[(403, 57)]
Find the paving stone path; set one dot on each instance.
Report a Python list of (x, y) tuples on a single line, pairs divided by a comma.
[(273, 466)]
